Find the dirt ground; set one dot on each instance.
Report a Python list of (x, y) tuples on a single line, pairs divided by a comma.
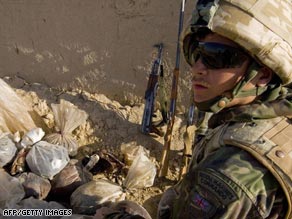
[(109, 125)]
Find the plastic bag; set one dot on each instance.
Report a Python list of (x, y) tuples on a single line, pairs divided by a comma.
[(141, 173), (35, 185), (67, 118), (45, 208), (87, 198), (11, 190), (7, 149), (31, 137), (15, 115), (45, 159), (130, 151), (70, 178)]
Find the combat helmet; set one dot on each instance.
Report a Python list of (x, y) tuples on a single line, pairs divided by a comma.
[(262, 27)]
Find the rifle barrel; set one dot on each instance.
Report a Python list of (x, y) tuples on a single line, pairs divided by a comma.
[(180, 26)]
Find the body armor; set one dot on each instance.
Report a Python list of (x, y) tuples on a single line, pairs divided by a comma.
[(267, 140)]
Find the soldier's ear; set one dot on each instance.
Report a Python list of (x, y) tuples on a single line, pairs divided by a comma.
[(265, 76)]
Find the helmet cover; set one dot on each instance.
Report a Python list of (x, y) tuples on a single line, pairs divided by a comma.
[(262, 27)]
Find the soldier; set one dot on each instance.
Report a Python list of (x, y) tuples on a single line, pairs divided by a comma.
[(241, 60)]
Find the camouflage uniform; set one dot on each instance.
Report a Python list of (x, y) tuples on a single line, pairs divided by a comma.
[(224, 181), (242, 168)]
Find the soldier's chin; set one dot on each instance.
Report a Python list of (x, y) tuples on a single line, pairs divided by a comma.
[(201, 99)]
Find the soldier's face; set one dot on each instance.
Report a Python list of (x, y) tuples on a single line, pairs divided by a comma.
[(209, 82)]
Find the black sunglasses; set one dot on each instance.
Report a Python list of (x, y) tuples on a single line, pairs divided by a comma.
[(213, 55)]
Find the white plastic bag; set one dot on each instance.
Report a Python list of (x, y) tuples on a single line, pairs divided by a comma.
[(47, 159), (15, 115), (95, 194), (141, 173), (67, 118), (7, 149), (11, 190), (31, 137), (44, 208), (131, 150)]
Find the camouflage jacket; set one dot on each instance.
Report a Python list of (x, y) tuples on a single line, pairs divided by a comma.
[(241, 168)]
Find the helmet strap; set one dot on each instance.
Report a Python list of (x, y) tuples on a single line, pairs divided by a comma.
[(218, 103)]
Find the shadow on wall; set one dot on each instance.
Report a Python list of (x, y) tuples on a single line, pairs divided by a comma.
[(100, 46)]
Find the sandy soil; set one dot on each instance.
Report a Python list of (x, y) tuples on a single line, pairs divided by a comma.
[(109, 126)]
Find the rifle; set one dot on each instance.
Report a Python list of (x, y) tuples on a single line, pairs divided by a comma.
[(170, 122), (188, 138), (195, 131), (150, 94)]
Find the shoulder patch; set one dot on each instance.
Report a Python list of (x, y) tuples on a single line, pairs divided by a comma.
[(223, 192), (207, 208)]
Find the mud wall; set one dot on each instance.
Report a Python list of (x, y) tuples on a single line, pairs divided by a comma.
[(102, 46)]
